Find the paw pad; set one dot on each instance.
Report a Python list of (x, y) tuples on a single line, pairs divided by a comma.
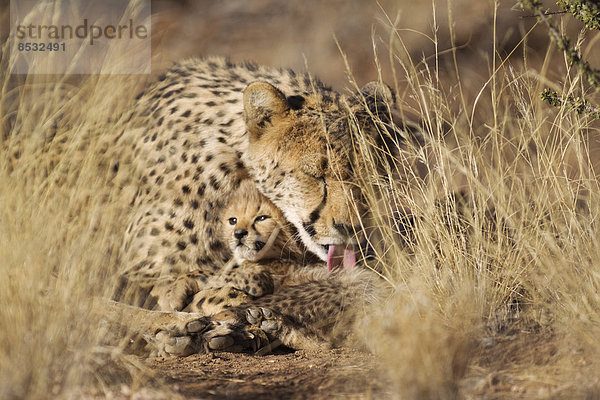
[(263, 318), (220, 342)]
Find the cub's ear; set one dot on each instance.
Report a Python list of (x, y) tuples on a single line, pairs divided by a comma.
[(262, 101), (379, 96), (378, 100)]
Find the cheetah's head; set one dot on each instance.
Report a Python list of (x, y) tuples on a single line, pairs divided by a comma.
[(254, 228), (301, 156)]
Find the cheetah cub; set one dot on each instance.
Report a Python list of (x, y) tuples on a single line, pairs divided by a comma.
[(272, 287), (256, 229), (264, 254)]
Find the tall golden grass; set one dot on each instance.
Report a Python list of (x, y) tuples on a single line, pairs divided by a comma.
[(59, 230), (502, 194), (518, 256)]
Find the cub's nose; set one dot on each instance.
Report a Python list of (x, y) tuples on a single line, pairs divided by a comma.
[(240, 233)]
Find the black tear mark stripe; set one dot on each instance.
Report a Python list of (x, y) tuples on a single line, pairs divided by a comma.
[(314, 216), (296, 102)]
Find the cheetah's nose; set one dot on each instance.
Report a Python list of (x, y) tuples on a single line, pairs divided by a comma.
[(240, 233)]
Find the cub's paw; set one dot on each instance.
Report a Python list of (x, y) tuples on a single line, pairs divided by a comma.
[(175, 296), (181, 336), (242, 337), (265, 320), (204, 335), (258, 284)]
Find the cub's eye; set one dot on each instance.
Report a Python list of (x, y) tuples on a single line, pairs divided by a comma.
[(261, 218), (232, 221)]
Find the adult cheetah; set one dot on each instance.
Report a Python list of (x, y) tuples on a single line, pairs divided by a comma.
[(193, 137)]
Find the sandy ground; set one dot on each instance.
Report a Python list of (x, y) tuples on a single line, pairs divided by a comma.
[(494, 373), (338, 373), (532, 365), (286, 374)]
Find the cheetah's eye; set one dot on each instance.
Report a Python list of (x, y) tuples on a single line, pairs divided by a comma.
[(261, 218), (232, 221)]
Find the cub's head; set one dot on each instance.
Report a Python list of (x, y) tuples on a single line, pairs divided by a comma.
[(301, 155), (254, 228)]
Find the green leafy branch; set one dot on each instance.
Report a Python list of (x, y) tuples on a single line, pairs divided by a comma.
[(578, 104), (588, 12)]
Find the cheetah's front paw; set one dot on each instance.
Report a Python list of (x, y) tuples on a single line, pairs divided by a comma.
[(264, 319), (205, 335), (179, 338), (267, 321)]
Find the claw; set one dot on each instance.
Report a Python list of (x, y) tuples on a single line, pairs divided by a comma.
[(268, 348), (254, 345), (196, 326), (165, 338), (220, 342), (266, 312), (180, 347), (252, 316), (269, 326)]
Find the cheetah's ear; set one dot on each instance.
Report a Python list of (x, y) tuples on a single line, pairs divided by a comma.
[(262, 101), (380, 99)]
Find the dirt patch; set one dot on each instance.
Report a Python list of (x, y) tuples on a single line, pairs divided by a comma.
[(529, 365), (339, 373)]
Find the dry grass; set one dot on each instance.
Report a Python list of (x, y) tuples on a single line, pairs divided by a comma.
[(495, 299), (493, 280), (58, 236)]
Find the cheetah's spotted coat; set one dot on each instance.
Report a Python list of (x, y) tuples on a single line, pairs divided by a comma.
[(197, 134)]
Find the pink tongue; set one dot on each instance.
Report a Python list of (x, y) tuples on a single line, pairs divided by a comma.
[(338, 255)]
